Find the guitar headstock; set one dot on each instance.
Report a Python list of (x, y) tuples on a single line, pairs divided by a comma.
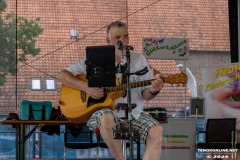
[(180, 78)]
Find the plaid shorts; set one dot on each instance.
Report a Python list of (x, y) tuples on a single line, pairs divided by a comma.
[(143, 124)]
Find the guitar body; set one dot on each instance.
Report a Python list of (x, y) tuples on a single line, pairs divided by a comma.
[(77, 106)]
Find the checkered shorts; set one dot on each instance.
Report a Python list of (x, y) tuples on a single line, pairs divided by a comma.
[(143, 124)]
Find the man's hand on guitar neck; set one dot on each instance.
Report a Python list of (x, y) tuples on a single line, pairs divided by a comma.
[(95, 92), (156, 86)]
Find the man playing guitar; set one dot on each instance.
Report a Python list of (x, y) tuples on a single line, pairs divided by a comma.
[(105, 119)]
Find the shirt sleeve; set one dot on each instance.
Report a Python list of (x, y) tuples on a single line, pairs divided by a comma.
[(149, 74), (139, 62), (77, 68)]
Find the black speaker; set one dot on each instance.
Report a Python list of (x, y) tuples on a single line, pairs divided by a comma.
[(196, 105), (79, 138), (82, 138)]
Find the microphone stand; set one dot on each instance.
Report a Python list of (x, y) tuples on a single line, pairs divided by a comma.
[(128, 48), (129, 114)]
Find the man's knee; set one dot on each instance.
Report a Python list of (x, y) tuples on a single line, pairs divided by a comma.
[(107, 121), (155, 133)]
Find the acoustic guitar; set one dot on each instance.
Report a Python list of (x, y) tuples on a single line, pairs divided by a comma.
[(77, 106)]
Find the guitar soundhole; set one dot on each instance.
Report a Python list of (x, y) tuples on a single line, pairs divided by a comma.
[(92, 101)]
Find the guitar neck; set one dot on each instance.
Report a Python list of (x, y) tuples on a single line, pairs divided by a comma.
[(180, 78), (122, 87)]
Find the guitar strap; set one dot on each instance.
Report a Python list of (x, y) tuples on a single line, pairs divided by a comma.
[(122, 69), (139, 73)]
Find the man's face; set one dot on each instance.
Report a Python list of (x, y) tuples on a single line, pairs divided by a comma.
[(116, 34)]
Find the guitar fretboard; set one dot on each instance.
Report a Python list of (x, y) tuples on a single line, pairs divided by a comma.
[(122, 87)]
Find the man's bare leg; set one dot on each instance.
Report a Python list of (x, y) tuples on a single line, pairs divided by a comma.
[(153, 144), (115, 146)]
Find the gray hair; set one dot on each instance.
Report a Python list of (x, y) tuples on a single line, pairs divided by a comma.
[(118, 24)]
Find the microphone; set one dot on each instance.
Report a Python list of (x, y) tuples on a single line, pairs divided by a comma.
[(120, 44)]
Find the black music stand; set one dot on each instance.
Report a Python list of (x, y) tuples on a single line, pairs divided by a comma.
[(100, 63)]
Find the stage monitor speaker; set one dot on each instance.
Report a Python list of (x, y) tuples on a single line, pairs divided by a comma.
[(79, 138), (196, 104)]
